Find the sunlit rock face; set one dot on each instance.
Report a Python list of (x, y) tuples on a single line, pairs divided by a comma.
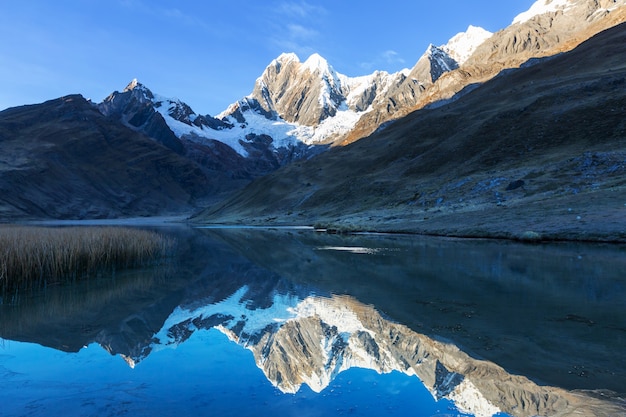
[(549, 27), (310, 341)]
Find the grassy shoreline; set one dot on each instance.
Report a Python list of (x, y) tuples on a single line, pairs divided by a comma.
[(35, 256)]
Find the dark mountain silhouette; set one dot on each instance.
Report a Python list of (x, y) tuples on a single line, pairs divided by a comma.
[(64, 159)]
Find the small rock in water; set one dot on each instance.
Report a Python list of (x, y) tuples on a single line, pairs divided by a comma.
[(530, 236)]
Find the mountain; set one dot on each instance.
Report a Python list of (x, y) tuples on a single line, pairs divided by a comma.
[(64, 159), (318, 105), (134, 154), (536, 149), (321, 106), (171, 122), (137, 107), (296, 111), (310, 98), (547, 28)]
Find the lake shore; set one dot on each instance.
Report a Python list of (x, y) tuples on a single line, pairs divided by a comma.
[(563, 219)]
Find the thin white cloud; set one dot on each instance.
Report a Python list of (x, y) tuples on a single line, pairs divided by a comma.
[(297, 26), (300, 32), (392, 57), (301, 9), (287, 45), (163, 13), (384, 59)]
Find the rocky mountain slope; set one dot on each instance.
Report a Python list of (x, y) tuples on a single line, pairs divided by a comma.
[(64, 159), (134, 154), (321, 106), (295, 111), (539, 150), (547, 28), (341, 109)]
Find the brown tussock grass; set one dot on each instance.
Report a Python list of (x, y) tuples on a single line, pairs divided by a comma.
[(32, 257)]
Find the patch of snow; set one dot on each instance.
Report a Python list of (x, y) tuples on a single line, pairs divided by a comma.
[(463, 44), (285, 133), (541, 7), (196, 133), (469, 399), (330, 312), (254, 322), (286, 57), (316, 64), (279, 130), (341, 123)]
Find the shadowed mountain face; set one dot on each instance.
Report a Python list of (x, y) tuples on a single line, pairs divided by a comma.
[(553, 30), (64, 159), (538, 149)]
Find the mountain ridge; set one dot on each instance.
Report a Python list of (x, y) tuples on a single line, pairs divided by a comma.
[(298, 110), (453, 163)]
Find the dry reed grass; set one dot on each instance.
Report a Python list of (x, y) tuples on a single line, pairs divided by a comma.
[(32, 257)]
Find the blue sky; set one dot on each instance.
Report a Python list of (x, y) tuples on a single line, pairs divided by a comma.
[(209, 53)]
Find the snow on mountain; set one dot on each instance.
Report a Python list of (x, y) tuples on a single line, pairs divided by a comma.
[(463, 44), (298, 103), (334, 334), (234, 312), (307, 102), (541, 7), (440, 61), (330, 95), (136, 105), (317, 65), (197, 133)]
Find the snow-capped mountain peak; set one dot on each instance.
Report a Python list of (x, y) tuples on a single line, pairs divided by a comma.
[(463, 44), (285, 58), (316, 64), (541, 7), (132, 85), (138, 90), (433, 64)]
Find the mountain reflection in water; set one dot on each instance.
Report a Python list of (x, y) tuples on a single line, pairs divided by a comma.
[(546, 322)]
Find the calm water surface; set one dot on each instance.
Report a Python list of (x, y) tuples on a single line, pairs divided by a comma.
[(293, 322)]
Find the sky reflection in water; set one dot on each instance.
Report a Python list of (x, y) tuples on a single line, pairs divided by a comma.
[(243, 317), (206, 375)]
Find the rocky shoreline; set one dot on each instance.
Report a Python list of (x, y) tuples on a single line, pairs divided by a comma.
[(593, 217)]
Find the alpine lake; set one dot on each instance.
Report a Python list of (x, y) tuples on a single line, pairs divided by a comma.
[(291, 321)]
